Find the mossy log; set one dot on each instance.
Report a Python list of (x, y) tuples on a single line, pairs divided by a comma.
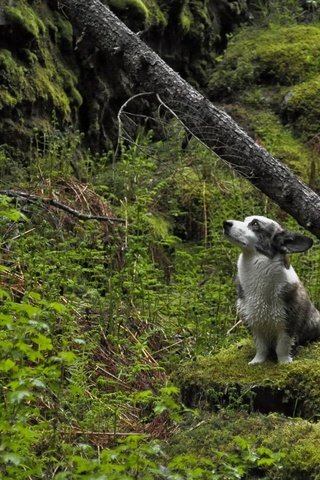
[(226, 379), (148, 72)]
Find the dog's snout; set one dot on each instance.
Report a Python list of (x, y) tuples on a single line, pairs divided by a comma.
[(227, 224)]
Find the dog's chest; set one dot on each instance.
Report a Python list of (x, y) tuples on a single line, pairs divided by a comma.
[(262, 281)]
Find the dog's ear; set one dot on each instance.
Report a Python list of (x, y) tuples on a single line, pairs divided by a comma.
[(290, 242)]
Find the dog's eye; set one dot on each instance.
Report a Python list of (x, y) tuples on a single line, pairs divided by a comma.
[(255, 225)]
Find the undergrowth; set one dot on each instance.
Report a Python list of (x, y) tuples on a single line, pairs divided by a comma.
[(97, 314)]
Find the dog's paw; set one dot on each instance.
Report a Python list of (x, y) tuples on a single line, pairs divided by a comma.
[(256, 360), (284, 359)]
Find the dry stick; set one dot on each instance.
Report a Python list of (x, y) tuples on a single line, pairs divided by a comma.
[(120, 122), (109, 434), (234, 326), (55, 203)]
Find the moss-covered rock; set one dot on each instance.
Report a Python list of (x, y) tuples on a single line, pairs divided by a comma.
[(264, 446), (226, 378), (37, 83), (302, 107), (149, 10), (22, 15), (266, 56)]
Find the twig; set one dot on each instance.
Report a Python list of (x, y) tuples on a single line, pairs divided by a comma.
[(174, 114), (55, 203), (169, 346), (234, 326), (109, 434), (120, 112)]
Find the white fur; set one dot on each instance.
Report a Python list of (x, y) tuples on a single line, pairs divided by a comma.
[(264, 309)]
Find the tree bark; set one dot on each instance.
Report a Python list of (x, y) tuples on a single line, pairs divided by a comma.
[(148, 72)]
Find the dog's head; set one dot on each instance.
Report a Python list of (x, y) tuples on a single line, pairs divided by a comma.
[(266, 236)]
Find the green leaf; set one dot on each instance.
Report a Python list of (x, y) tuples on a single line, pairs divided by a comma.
[(44, 343), (5, 319), (11, 457), (18, 396), (11, 214), (58, 307), (6, 365), (30, 310), (38, 383), (67, 357)]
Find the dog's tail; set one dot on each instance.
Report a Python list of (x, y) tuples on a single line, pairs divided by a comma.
[(311, 328)]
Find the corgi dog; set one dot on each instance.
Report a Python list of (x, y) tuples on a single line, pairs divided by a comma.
[(272, 302)]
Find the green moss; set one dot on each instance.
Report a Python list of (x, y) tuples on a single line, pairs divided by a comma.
[(6, 99), (227, 377), (280, 141), (61, 27), (186, 17), (70, 87), (214, 436), (149, 10), (24, 16), (43, 76), (275, 73), (302, 107), (12, 76), (262, 56), (139, 5)]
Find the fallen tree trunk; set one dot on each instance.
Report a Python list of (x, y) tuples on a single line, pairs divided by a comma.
[(148, 72)]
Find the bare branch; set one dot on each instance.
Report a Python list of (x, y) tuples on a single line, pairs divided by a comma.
[(55, 203)]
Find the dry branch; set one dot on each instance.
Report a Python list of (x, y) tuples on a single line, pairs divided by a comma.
[(55, 203)]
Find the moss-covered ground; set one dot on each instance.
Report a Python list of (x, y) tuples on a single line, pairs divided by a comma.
[(263, 446), (261, 404)]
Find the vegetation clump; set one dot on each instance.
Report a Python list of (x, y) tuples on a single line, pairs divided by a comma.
[(252, 445)]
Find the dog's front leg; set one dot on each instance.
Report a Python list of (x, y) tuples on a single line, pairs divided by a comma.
[(262, 350), (283, 348)]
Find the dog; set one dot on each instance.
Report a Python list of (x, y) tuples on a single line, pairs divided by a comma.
[(272, 302)]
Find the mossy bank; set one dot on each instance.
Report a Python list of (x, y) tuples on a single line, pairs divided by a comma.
[(38, 83), (268, 79), (227, 379)]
